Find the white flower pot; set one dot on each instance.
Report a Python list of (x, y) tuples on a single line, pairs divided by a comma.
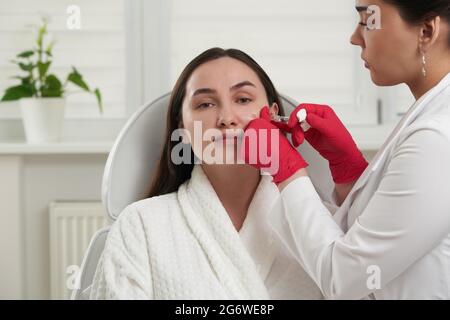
[(43, 118)]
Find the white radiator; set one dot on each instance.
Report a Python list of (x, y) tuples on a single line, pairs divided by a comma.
[(72, 224)]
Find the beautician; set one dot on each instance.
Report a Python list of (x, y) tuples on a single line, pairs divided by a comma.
[(387, 236)]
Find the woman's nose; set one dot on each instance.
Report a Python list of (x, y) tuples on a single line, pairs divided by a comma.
[(227, 118), (356, 39)]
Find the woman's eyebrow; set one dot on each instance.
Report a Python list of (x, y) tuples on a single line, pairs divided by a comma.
[(203, 91), (361, 8), (212, 91), (242, 84)]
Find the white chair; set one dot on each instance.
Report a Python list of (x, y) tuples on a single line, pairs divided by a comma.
[(130, 165)]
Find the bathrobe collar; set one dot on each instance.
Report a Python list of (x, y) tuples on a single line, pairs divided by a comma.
[(241, 260)]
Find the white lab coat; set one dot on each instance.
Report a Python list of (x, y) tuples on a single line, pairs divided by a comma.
[(183, 245), (390, 239)]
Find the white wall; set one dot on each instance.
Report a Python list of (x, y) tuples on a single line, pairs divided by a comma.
[(303, 45), (11, 240), (29, 184)]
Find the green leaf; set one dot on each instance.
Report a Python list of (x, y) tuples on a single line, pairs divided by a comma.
[(26, 67), (17, 92), (25, 81), (25, 54), (51, 94), (76, 78), (52, 87), (43, 68), (18, 77), (41, 33), (53, 81), (49, 48), (75, 70), (98, 95)]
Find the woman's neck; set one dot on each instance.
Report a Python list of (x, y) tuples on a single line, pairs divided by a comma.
[(235, 186)]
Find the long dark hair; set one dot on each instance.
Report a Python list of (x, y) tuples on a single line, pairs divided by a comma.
[(169, 176), (417, 11)]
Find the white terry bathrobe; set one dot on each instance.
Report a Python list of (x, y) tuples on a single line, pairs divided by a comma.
[(183, 245), (390, 239)]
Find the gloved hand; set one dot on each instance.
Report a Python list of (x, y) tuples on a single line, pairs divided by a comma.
[(266, 148), (331, 139)]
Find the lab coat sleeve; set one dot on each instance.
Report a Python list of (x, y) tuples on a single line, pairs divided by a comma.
[(123, 271), (406, 218)]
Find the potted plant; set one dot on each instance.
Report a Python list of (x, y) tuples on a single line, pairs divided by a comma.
[(40, 93)]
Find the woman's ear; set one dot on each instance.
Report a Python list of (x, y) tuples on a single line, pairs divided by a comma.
[(429, 33), (274, 109)]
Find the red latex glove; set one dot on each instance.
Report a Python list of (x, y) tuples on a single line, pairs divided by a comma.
[(331, 139), (266, 148)]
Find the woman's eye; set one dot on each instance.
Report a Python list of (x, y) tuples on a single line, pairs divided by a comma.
[(244, 100), (363, 24), (204, 105)]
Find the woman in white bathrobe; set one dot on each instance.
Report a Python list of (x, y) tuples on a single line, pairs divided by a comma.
[(389, 237), (202, 233)]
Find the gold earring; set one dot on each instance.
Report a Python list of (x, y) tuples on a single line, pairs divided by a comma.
[(424, 64)]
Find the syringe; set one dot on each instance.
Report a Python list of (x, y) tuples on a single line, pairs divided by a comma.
[(301, 116)]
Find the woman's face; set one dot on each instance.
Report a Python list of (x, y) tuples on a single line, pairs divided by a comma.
[(391, 53), (222, 96)]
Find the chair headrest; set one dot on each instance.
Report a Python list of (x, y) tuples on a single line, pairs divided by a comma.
[(133, 158)]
